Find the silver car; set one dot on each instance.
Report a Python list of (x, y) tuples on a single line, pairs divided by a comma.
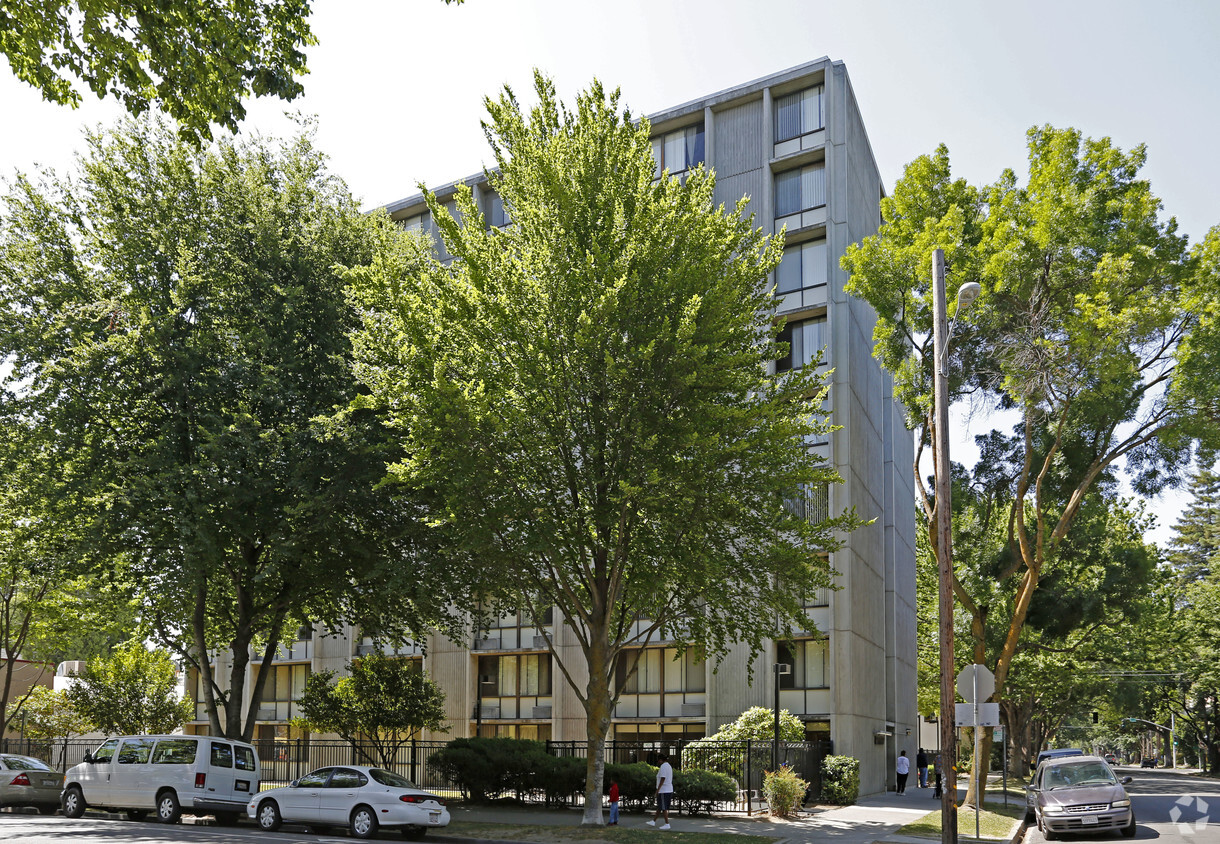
[(26, 781), (1079, 794)]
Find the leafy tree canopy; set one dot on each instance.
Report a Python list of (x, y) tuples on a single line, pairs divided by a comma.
[(132, 691), (585, 393), (383, 702), (758, 724), (48, 715), (178, 325), (195, 61)]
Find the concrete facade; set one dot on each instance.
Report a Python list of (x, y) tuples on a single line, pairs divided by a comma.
[(794, 144)]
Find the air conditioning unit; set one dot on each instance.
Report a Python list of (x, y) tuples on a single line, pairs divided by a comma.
[(266, 713), (72, 666), (365, 650), (489, 712), (540, 643), (693, 710), (487, 644), (541, 712)]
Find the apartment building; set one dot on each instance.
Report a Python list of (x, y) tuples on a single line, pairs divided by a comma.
[(793, 143)]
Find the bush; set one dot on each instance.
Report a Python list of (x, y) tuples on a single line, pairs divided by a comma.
[(560, 776), (485, 768), (698, 790), (637, 782), (784, 791), (840, 780)]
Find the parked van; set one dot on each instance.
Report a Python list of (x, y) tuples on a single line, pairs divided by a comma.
[(167, 775)]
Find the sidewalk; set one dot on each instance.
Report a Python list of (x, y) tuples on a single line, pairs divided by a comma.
[(871, 819)]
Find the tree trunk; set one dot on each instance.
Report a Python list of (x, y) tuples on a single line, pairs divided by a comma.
[(976, 792), (599, 704)]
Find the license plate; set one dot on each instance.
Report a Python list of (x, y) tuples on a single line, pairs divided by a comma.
[(50, 783), (1088, 820), (434, 817)]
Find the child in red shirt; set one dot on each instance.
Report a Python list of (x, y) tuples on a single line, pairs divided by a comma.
[(613, 804)]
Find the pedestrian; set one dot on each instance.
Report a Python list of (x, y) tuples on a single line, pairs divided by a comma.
[(903, 767), (921, 766), (613, 803), (665, 791), (937, 794)]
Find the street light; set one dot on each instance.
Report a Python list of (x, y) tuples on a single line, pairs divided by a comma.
[(941, 335)]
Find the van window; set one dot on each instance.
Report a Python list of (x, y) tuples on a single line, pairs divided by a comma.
[(135, 751), (245, 758), (175, 752), (222, 755), (105, 753)]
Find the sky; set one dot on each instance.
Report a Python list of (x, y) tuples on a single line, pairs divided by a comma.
[(397, 86)]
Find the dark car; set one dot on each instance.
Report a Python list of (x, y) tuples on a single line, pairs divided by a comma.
[(1148, 762), (1079, 794)]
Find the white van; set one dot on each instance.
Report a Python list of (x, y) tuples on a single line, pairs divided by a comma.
[(168, 775)]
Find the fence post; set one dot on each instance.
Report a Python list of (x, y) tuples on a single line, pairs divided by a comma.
[(749, 791)]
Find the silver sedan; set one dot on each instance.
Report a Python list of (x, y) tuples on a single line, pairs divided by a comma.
[(361, 798), (26, 781)]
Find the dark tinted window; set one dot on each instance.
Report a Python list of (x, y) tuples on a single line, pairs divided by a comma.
[(23, 763), (245, 758), (390, 778), (135, 751), (347, 778), (175, 751), (105, 753), (222, 755), (315, 779)]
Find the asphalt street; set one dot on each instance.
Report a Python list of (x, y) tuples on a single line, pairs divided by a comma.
[(1169, 808)]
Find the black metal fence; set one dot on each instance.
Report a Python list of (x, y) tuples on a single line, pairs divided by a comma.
[(285, 761)]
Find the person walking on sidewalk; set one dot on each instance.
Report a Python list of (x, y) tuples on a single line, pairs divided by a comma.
[(613, 804), (921, 767), (665, 791), (903, 767)]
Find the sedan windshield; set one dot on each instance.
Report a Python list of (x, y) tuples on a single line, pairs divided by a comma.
[(24, 763), (1085, 773), (390, 778)]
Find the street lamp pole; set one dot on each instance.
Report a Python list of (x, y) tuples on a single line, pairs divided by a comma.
[(944, 552)]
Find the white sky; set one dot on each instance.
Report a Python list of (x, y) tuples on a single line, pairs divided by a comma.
[(398, 86)]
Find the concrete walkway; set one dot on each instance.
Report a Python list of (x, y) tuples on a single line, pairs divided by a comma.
[(872, 819)]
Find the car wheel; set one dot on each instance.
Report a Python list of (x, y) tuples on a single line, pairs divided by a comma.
[(414, 833), (268, 816), (74, 802), (1129, 829), (364, 822), (226, 818), (136, 814), (168, 809)]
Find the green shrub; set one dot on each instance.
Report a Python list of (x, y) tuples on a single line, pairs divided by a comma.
[(784, 791), (637, 782), (485, 768), (840, 780), (560, 776), (698, 790)]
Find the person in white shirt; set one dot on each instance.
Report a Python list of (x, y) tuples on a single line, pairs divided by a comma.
[(665, 791), (903, 767)]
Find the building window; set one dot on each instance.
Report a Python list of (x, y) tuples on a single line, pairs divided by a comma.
[(662, 670), (812, 504), (678, 151), (803, 266), (519, 675), (806, 339), (285, 685), (417, 223), (800, 189), (800, 113), (493, 209), (808, 658)]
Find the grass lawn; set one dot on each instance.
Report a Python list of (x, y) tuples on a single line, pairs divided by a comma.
[(618, 835), (996, 821)]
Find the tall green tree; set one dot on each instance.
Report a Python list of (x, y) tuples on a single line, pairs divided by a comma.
[(383, 702), (195, 61), (585, 393), (179, 329), (48, 716), (1194, 550), (1095, 326), (132, 691)]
